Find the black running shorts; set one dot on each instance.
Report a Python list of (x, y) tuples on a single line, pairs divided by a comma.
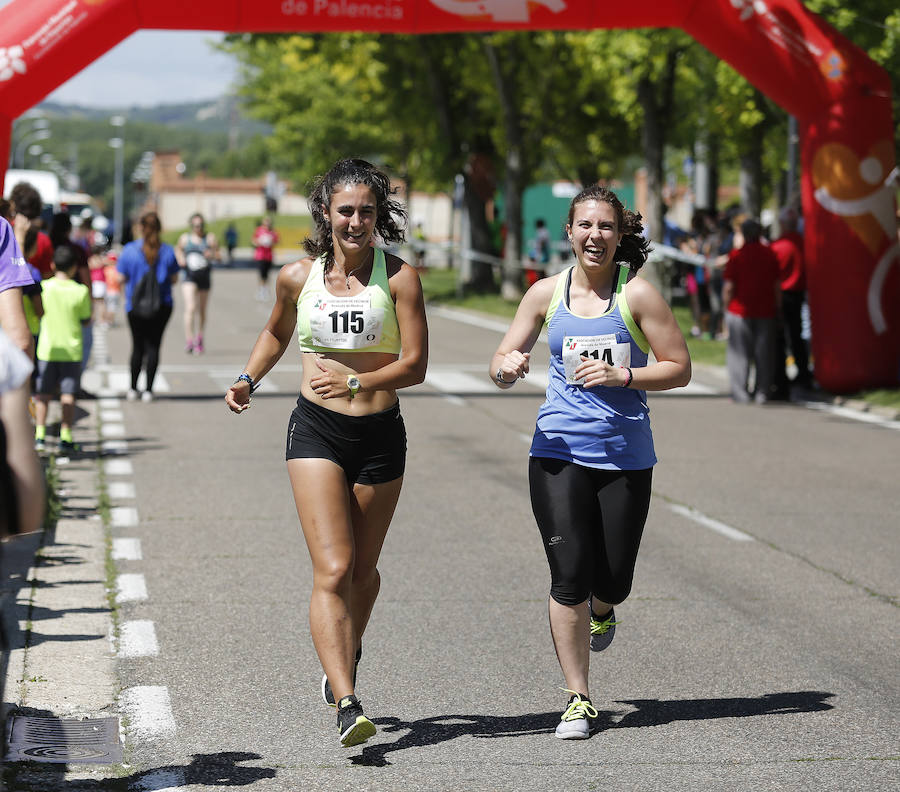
[(371, 449)]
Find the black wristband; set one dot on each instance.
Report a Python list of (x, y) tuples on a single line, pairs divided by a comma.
[(245, 377)]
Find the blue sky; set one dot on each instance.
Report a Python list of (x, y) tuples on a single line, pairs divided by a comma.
[(133, 73)]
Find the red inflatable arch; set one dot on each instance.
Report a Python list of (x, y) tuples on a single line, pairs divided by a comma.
[(841, 98)]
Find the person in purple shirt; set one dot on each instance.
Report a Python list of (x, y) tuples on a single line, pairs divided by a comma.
[(14, 274), (147, 329)]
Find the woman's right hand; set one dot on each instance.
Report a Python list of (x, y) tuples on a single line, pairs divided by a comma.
[(237, 397), (514, 365)]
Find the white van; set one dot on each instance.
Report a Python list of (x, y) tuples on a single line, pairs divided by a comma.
[(45, 182)]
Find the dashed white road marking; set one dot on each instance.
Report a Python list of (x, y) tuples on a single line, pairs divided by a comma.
[(709, 522), (118, 467), (126, 549), (108, 403), (114, 446), (149, 711), (112, 430), (138, 639), (131, 587), (121, 490), (123, 516)]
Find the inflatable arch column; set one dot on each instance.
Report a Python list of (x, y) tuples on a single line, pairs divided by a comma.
[(841, 98)]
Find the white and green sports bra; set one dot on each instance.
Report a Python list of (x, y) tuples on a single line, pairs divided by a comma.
[(365, 322)]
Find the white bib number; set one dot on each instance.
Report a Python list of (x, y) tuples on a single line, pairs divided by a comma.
[(578, 349), (346, 323), (195, 260)]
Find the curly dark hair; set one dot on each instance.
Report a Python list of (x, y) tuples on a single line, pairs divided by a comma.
[(390, 218), (633, 249), (27, 200)]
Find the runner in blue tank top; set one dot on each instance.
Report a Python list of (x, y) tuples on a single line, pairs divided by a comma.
[(592, 455)]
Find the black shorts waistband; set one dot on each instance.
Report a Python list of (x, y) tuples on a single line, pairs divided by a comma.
[(314, 410)]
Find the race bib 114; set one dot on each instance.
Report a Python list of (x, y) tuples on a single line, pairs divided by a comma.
[(577, 349)]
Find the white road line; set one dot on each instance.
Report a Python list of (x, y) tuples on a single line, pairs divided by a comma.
[(123, 516), (114, 446), (120, 381), (709, 522), (856, 415), (470, 319), (454, 381), (108, 415), (131, 587), (112, 430), (118, 467), (124, 549), (120, 490), (691, 389), (138, 639), (149, 711), (109, 403)]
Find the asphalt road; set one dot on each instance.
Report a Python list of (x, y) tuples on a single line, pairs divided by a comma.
[(758, 649)]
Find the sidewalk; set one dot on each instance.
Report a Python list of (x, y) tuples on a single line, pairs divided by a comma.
[(56, 615)]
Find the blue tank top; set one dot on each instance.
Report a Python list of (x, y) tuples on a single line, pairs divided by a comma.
[(600, 427)]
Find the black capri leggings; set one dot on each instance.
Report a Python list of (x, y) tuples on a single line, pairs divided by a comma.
[(146, 337), (591, 522)]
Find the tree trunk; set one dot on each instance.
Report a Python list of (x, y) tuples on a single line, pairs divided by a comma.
[(656, 102), (511, 284), (481, 277), (750, 181)]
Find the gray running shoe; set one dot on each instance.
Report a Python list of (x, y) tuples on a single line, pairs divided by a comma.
[(576, 721), (603, 630)]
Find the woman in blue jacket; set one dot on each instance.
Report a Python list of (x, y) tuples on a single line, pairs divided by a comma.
[(148, 300)]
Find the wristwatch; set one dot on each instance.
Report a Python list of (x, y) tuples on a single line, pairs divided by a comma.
[(499, 377), (353, 384)]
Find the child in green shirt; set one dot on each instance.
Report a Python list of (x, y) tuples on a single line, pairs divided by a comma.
[(67, 306)]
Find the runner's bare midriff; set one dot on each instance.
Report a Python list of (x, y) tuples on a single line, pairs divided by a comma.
[(365, 402)]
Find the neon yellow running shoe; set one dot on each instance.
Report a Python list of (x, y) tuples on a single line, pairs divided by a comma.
[(354, 726), (576, 721), (603, 630)]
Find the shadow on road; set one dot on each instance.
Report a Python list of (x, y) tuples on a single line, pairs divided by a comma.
[(648, 712), (209, 770)]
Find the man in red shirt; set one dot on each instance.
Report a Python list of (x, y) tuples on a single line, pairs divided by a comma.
[(752, 296), (788, 249)]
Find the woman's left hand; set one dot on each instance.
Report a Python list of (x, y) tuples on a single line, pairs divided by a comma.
[(331, 383), (598, 372)]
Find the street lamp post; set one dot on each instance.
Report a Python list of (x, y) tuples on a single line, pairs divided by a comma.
[(31, 137), (118, 143), (35, 150)]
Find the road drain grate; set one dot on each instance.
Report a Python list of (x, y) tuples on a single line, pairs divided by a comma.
[(60, 740)]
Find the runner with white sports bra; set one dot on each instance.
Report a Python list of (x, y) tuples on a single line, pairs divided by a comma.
[(592, 456), (356, 309), (196, 251)]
